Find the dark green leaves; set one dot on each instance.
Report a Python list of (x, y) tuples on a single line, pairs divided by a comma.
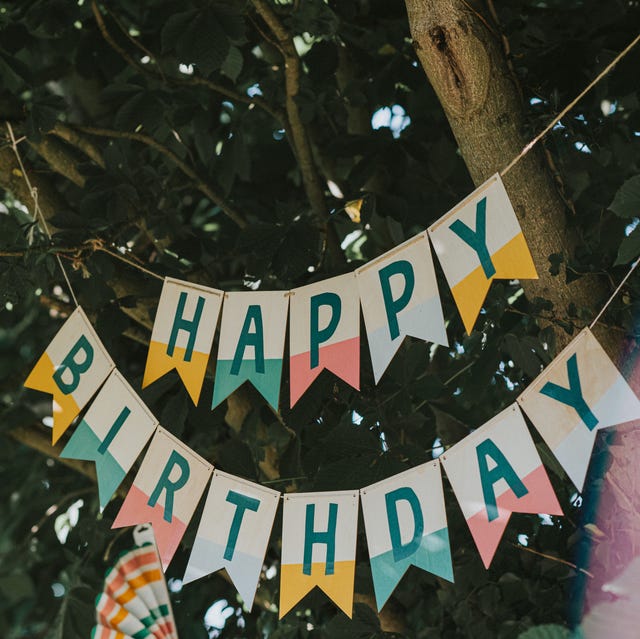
[(626, 202)]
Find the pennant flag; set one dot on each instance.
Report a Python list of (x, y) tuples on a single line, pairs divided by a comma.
[(399, 296), (234, 533), (72, 369), (406, 525), (324, 333), (182, 334), (494, 471), (112, 434), (579, 393), (251, 344), (319, 547), (165, 492), (135, 599), (478, 241)]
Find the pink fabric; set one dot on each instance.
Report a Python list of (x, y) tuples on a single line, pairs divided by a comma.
[(135, 510), (342, 359), (539, 499)]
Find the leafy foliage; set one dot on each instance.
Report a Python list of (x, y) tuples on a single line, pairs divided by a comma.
[(174, 117)]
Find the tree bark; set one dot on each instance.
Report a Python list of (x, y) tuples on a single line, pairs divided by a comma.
[(467, 68)]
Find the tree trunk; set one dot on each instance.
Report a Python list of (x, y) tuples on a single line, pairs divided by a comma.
[(466, 66)]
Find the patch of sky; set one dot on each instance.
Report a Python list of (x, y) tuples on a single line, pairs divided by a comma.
[(394, 118)]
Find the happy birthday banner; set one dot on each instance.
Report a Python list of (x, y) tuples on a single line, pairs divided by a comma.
[(494, 471)]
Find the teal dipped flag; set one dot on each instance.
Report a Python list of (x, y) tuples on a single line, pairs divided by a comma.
[(251, 344), (406, 525), (112, 434)]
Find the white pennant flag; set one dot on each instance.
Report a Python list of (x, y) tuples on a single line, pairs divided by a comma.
[(234, 533), (399, 296), (579, 393)]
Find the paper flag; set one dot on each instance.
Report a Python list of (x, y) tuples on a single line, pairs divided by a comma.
[(406, 525), (234, 533), (135, 599), (494, 471), (112, 434), (324, 333), (399, 296), (478, 241), (319, 547), (72, 369), (579, 393), (165, 492), (182, 334), (251, 344)]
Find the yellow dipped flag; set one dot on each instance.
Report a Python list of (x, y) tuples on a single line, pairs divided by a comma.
[(72, 369), (478, 241), (319, 547), (182, 334)]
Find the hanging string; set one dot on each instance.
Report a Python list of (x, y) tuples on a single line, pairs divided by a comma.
[(98, 245), (613, 295), (570, 106), (38, 216)]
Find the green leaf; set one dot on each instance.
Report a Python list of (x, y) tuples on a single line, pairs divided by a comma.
[(77, 615), (629, 248), (546, 631), (203, 43), (232, 66), (626, 202)]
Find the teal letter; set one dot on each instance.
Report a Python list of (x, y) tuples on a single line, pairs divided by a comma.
[(247, 338), (113, 431), (477, 240), (191, 326), (572, 396), (393, 307), (502, 470), (400, 550), (76, 368), (164, 483), (318, 336), (242, 503), (312, 537)]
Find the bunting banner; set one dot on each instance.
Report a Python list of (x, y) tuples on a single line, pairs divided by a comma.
[(251, 344), (406, 525), (182, 334), (72, 369), (324, 333), (399, 297), (579, 393), (478, 241), (319, 547), (112, 434), (494, 471), (165, 492), (234, 532)]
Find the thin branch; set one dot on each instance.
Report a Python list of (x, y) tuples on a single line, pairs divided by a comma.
[(297, 131), (194, 80), (199, 183), (79, 141)]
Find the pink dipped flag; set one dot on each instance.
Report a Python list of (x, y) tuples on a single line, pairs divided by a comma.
[(579, 393), (494, 471), (324, 332), (165, 492), (72, 369)]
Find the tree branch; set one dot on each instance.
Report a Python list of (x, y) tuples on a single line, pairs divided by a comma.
[(299, 137), (194, 80), (199, 183)]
